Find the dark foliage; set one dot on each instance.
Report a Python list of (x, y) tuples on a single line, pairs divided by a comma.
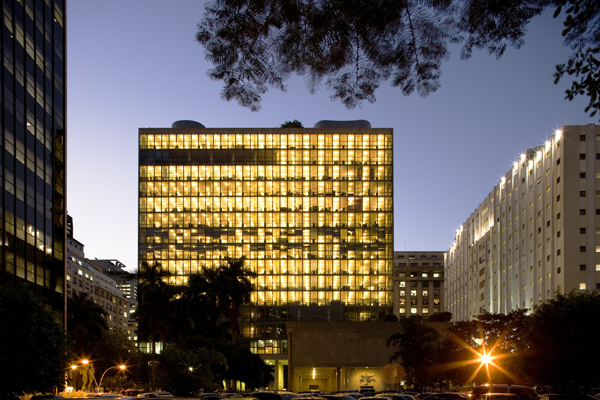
[(233, 290), (185, 371), (292, 124), (582, 34), (563, 342), (156, 312), (444, 316), (556, 346), (186, 316), (418, 350), (33, 345), (86, 324), (352, 46)]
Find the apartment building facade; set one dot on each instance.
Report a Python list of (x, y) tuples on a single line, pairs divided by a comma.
[(535, 234), (418, 283), (84, 276), (309, 208), (33, 156), (127, 283)]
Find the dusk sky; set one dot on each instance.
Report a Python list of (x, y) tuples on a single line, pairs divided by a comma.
[(136, 64)]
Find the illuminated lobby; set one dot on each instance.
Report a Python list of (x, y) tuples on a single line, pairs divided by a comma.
[(310, 209)]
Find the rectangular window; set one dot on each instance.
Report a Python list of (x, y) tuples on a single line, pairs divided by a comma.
[(582, 286), (582, 267), (582, 138), (582, 249), (582, 193), (582, 211), (582, 175), (582, 156)]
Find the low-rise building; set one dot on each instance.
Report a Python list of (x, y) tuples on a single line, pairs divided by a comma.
[(418, 283), (85, 276)]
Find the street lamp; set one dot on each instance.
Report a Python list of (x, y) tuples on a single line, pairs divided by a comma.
[(85, 364), (121, 367), (485, 358)]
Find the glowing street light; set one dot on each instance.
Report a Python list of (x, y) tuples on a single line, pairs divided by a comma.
[(88, 370), (121, 367), (485, 358)]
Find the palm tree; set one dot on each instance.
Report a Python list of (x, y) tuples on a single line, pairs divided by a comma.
[(201, 304), (234, 289), (86, 323), (155, 312)]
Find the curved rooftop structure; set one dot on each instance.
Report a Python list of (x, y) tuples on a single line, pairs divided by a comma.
[(359, 123), (186, 123)]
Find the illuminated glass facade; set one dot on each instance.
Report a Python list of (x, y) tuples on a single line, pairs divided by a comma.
[(309, 208), (32, 160)]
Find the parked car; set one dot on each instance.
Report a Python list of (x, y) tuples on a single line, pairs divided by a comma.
[(289, 395), (421, 396), (381, 397), (269, 395), (567, 396), (395, 396), (367, 391), (349, 392), (339, 396), (523, 392), (498, 396), (446, 396), (155, 395)]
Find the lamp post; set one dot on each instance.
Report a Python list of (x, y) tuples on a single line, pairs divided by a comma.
[(121, 367), (486, 359), (85, 364)]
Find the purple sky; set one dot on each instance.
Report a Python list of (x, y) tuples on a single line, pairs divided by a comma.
[(136, 63)]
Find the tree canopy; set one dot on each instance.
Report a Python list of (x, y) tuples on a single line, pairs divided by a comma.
[(556, 346), (352, 46), (184, 317), (563, 345), (33, 345), (86, 324)]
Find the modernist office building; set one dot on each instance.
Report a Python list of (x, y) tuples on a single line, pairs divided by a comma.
[(418, 283), (309, 208), (32, 160), (536, 233)]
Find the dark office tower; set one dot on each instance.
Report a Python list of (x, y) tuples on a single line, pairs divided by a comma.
[(32, 160)]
